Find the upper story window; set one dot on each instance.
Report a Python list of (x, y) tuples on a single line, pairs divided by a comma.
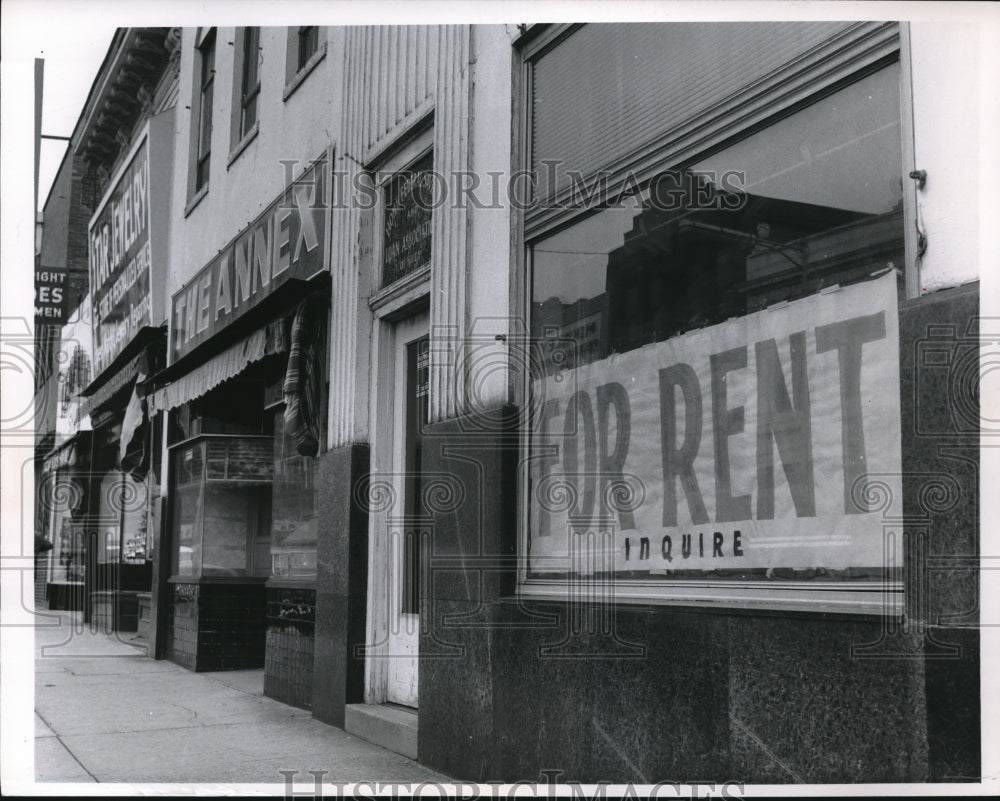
[(696, 228), (206, 86), (305, 49), (249, 79), (307, 41)]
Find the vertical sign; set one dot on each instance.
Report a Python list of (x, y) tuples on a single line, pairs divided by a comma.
[(50, 296), (120, 261)]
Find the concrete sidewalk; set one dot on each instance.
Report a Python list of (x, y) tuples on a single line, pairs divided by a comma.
[(105, 712)]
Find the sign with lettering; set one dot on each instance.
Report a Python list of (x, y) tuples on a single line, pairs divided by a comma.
[(286, 241), (768, 442), (50, 296), (120, 261), (406, 221)]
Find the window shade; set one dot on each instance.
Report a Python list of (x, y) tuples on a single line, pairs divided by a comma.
[(608, 89)]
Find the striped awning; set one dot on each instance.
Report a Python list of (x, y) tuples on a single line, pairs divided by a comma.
[(112, 386), (231, 362)]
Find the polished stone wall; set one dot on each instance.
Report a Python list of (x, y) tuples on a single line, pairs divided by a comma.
[(341, 583)]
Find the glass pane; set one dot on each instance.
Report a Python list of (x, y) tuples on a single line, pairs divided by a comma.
[(109, 517), (294, 515), (251, 58), (812, 201), (135, 521), (205, 130), (207, 62), (249, 116), (308, 44), (187, 518), (406, 239), (229, 519), (608, 88), (67, 559)]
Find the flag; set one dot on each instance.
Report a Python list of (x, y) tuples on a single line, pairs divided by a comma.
[(300, 385), (132, 446)]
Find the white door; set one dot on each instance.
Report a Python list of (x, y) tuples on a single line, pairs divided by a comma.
[(403, 518)]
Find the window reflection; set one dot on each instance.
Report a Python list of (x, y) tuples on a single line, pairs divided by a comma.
[(811, 201)]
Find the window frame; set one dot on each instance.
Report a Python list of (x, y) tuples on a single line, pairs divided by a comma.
[(296, 71), (416, 145), (249, 68), (240, 132), (199, 171), (863, 48)]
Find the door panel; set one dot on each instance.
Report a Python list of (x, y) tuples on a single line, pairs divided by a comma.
[(404, 521)]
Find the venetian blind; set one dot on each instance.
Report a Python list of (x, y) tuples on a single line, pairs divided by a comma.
[(609, 89)]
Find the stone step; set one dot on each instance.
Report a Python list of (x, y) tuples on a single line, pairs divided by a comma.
[(390, 726)]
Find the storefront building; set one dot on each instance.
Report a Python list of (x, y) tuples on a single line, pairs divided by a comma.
[(745, 507), (125, 138), (595, 399), (242, 397), (62, 346), (63, 484)]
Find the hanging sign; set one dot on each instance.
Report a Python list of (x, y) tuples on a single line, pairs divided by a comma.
[(286, 241), (120, 261)]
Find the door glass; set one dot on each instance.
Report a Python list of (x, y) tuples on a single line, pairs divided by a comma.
[(417, 372)]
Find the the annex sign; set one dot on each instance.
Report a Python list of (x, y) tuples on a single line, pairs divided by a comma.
[(288, 240)]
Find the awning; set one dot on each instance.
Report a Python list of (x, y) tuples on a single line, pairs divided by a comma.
[(66, 454), (231, 362), (114, 384)]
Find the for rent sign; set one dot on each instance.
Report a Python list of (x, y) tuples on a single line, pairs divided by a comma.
[(770, 441), (120, 261), (286, 241)]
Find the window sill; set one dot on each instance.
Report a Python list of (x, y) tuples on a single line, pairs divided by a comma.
[(195, 200), (216, 580), (870, 599), (240, 146), (402, 291), (300, 76), (284, 582)]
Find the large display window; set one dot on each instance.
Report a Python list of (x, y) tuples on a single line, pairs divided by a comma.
[(295, 513), (713, 376), (221, 506), (67, 561)]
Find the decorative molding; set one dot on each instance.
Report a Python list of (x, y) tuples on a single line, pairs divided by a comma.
[(450, 225)]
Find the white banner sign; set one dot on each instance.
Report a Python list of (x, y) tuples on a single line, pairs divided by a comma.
[(769, 441)]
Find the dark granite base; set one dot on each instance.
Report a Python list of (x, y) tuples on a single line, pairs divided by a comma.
[(341, 583), (66, 595), (217, 626), (290, 645), (114, 610)]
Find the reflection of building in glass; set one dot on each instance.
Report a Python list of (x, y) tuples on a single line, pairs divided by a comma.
[(683, 269), (570, 334)]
